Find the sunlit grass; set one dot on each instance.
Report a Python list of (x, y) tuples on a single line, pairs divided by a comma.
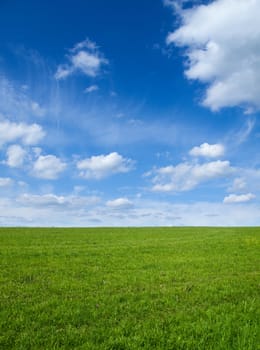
[(131, 288)]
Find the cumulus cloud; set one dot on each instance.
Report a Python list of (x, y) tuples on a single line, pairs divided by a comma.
[(15, 156), (48, 167), (186, 176), (120, 203), (222, 47), (98, 167), (234, 198), (85, 58), (5, 181), (209, 151), (28, 134)]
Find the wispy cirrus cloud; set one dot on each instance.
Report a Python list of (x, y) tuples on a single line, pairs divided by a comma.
[(53, 200), (237, 137), (16, 100), (177, 5), (91, 88), (85, 57)]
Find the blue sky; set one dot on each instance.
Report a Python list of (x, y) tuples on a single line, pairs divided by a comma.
[(129, 113)]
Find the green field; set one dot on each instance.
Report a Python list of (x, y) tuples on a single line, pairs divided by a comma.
[(130, 288)]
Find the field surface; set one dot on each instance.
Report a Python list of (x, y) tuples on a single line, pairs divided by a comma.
[(130, 288)]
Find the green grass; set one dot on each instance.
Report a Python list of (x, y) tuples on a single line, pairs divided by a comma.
[(131, 288)]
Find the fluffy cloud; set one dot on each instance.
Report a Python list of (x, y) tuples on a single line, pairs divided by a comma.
[(120, 203), (209, 151), (29, 134), (98, 167), (5, 181), (186, 176), (222, 42), (48, 167), (234, 198), (85, 57), (15, 156)]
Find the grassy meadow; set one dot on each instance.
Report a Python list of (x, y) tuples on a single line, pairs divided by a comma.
[(130, 288)]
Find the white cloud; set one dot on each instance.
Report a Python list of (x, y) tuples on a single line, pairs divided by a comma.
[(15, 101), (15, 156), (177, 5), (36, 151), (55, 210), (88, 63), (206, 150), (48, 167), (121, 130), (85, 57), (98, 167), (246, 180), (240, 136), (85, 44), (29, 134), (5, 181), (239, 184), (37, 109), (120, 203), (63, 71), (222, 42), (91, 88), (234, 198), (186, 176), (250, 179), (50, 199), (170, 3)]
